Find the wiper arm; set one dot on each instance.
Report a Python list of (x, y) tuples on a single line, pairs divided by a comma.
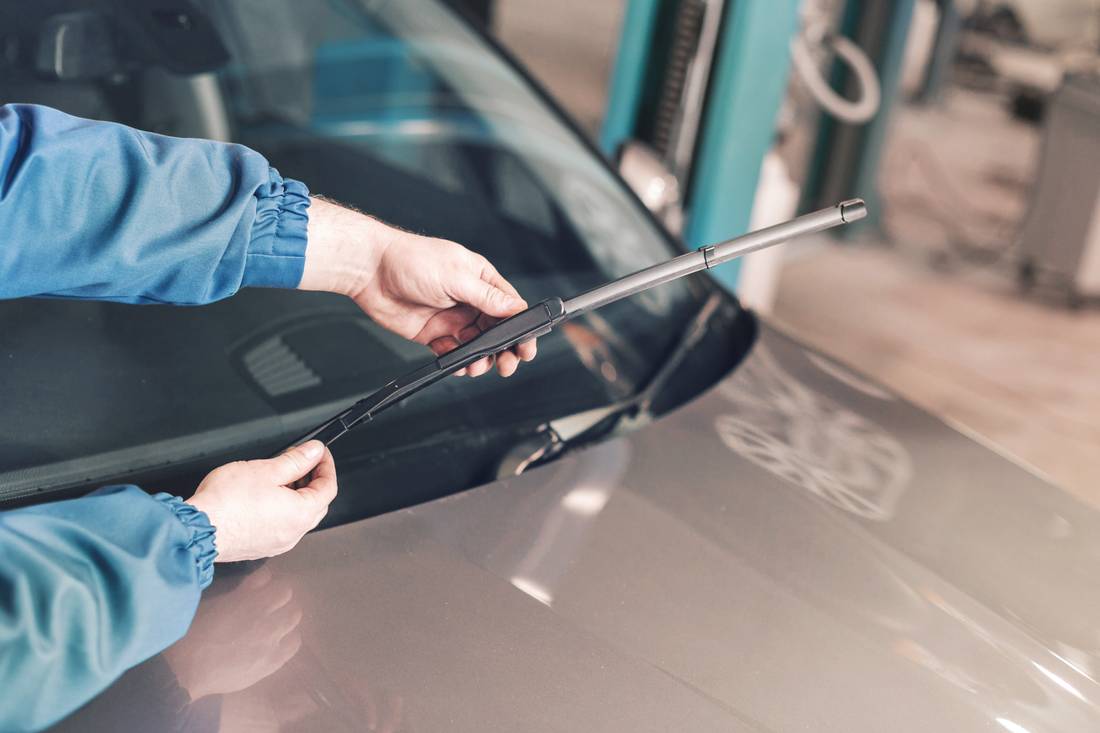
[(540, 319), (694, 333), (554, 438)]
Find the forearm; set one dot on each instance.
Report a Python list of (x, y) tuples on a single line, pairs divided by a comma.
[(91, 587), (98, 210), (344, 249)]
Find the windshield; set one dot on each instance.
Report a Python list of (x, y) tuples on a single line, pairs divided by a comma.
[(397, 108)]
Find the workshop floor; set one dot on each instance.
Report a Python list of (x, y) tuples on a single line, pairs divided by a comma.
[(967, 348), (962, 344)]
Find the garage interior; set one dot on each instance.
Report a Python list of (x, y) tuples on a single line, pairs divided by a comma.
[(679, 516), (928, 302)]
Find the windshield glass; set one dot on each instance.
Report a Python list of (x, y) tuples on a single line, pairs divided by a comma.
[(397, 108)]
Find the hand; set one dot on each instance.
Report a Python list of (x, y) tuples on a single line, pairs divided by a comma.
[(432, 291), (238, 637), (262, 508)]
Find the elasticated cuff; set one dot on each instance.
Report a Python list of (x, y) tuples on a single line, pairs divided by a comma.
[(277, 251), (201, 544)]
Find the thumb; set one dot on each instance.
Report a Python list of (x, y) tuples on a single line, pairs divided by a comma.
[(488, 298), (296, 462)]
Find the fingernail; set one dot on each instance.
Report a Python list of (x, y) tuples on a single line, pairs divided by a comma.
[(313, 449)]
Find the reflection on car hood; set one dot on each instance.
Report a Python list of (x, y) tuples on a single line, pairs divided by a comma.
[(795, 550)]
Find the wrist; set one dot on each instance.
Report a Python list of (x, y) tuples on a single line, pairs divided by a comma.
[(343, 249), (209, 509)]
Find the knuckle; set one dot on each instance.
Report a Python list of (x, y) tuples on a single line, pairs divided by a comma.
[(294, 462), (455, 251)]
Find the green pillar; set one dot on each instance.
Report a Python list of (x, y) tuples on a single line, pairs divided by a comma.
[(748, 84), (628, 76), (846, 162)]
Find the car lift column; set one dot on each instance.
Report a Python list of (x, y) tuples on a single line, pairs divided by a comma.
[(847, 156), (747, 81), (747, 86), (628, 77)]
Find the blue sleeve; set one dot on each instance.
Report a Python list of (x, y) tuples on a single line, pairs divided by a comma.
[(89, 588), (102, 211)]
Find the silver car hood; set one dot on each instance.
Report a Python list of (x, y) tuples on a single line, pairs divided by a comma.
[(797, 549)]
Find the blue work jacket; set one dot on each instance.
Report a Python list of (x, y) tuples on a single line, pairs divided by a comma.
[(91, 587)]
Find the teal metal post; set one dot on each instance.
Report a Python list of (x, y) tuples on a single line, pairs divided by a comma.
[(628, 76), (890, 67), (748, 84), (846, 162)]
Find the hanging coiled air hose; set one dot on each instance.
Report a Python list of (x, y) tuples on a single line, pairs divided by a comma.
[(816, 35)]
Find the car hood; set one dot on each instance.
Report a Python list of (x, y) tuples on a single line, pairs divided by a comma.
[(796, 549)]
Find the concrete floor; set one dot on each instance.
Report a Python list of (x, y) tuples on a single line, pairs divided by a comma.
[(1018, 374), (964, 347)]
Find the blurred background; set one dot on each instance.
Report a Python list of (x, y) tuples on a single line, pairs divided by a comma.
[(971, 127)]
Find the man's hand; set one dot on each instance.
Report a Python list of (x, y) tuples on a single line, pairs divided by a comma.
[(432, 291), (262, 508)]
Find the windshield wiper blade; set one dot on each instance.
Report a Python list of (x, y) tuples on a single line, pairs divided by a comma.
[(541, 318)]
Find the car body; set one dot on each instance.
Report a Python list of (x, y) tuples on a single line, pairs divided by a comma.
[(774, 543)]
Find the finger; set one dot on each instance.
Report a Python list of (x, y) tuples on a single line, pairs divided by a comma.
[(507, 363), (446, 323), (480, 366), (486, 297), (527, 350), (469, 333), (497, 280), (485, 322), (443, 344), (295, 463), (323, 486)]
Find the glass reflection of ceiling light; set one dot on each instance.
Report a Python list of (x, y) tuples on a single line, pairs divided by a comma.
[(533, 589), (1059, 681), (1080, 666), (1011, 727), (585, 501)]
